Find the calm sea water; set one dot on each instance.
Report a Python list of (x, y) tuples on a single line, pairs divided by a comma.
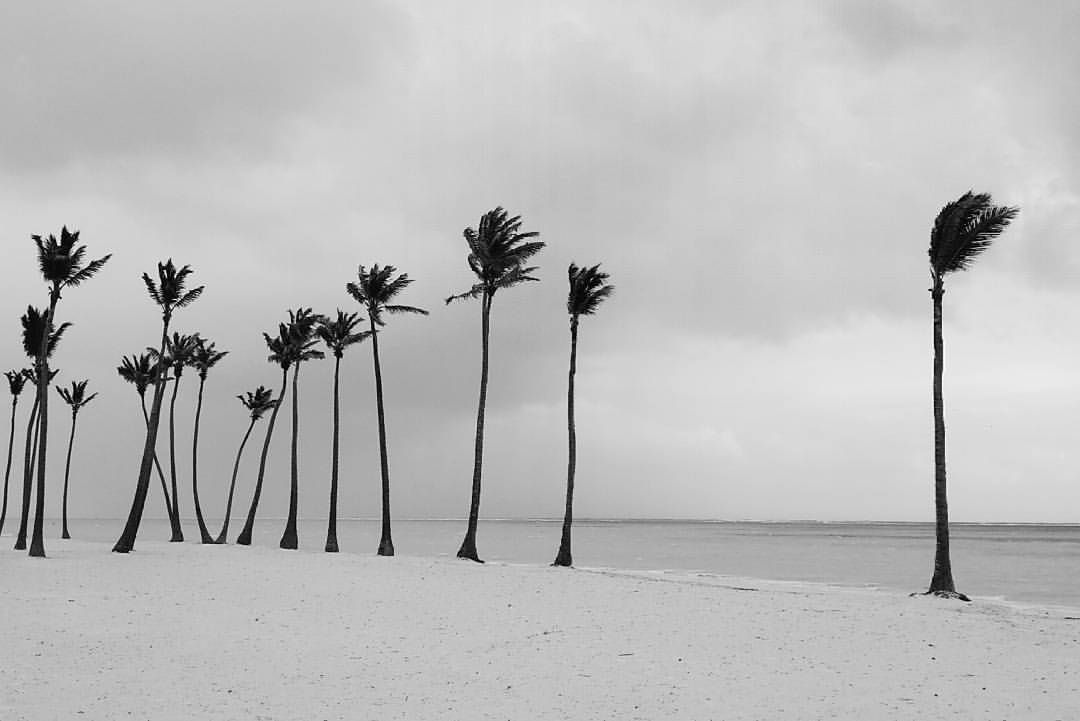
[(1038, 564)]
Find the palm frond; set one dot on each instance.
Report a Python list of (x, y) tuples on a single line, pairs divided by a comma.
[(84, 274), (964, 229), (190, 297), (395, 309), (475, 292)]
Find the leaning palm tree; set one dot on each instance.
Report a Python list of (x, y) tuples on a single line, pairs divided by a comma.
[(140, 371), (588, 289), (170, 293), (61, 265), (497, 256), (34, 324), (257, 404), (203, 358), (302, 341), (16, 382), (962, 231), (375, 289), (338, 335), (280, 353), (76, 398)]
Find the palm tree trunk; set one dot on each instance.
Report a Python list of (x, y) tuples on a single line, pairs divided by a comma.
[(178, 531), (7, 470), (28, 476), (232, 485), (37, 540), (173, 521), (126, 542), (204, 534), (564, 557), (288, 538), (386, 542), (942, 581), (331, 528), (245, 535), (67, 472), (468, 546)]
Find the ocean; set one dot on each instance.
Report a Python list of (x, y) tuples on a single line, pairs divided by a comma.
[(1022, 563)]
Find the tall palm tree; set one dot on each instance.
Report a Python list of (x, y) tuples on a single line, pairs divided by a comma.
[(588, 289), (204, 357), (170, 294), (498, 252), (61, 263), (140, 371), (34, 326), (257, 404), (16, 382), (375, 289), (962, 231), (338, 335), (280, 353), (76, 398), (302, 341)]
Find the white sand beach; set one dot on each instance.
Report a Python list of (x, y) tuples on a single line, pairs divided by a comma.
[(183, 631)]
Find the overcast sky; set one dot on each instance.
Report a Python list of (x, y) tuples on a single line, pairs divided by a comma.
[(758, 178)]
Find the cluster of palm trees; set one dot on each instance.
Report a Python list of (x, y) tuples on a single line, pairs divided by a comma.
[(498, 256)]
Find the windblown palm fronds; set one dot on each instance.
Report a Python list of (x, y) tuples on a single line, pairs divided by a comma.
[(964, 229)]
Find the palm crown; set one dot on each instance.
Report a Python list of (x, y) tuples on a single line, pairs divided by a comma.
[(295, 342), (76, 397), (588, 289), (258, 402), (16, 381), (33, 325), (964, 229), (169, 289), (376, 287), (139, 370), (338, 334), (61, 261), (32, 375), (205, 356), (179, 352), (497, 254)]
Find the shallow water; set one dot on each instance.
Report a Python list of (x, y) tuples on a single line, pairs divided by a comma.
[(1025, 563)]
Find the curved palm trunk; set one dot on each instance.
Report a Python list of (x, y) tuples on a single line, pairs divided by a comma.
[(67, 472), (386, 542), (161, 474), (7, 470), (468, 546), (245, 535), (564, 557), (232, 485), (126, 542), (288, 538), (29, 455), (204, 534), (178, 532), (331, 528), (942, 581), (37, 540)]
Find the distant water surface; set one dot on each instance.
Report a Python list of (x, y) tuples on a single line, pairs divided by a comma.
[(1026, 563)]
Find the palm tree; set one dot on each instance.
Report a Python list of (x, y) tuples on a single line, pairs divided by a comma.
[(16, 381), (257, 403), (302, 340), (279, 347), (170, 294), (588, 289), (33, 330), (497, 256), (203, 358), (374, 289), (61, 265), (962, 231), (338, 335), (76, 398), (140, 371)]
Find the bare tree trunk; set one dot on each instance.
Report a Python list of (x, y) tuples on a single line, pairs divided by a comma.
[(173, 520), (37, 540), (942, 582), (468, 546), (386, 541), (288, 538), (178, 531), (204, 534), (232, 485), (7, 471), (126, 542), (564, 557), (245, 535), (331, 528), (67, 472), (29, 455)]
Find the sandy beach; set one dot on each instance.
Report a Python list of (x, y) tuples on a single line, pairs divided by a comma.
[(183, 631)]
